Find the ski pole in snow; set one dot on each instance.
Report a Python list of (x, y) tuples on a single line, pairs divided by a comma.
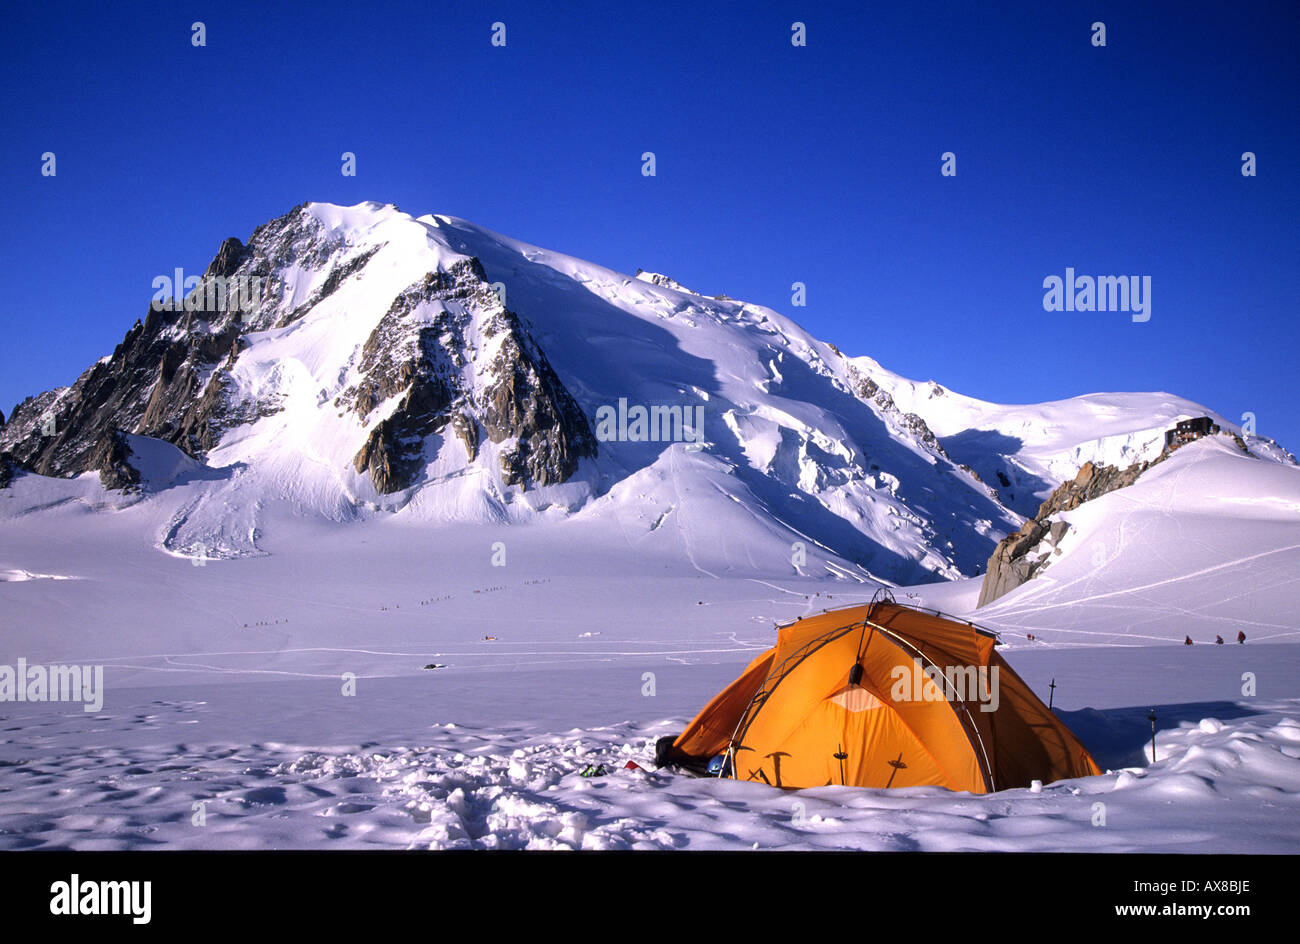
[(1051, 694), (1152, 718)]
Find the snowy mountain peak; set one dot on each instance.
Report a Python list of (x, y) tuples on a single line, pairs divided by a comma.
[(357, 360)]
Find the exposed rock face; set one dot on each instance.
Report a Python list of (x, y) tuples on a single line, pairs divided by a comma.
[(663, 281), (528, 402), (922, 432), (112, 456), (467, 430), (150, 385), (1012, 564), (1018, 557), (472, 373), (159, 381), (228, 259), (6, 470), (1091, 482), (32, 424), (868, 389)]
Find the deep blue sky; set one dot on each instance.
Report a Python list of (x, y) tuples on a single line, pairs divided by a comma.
[(775, 164)]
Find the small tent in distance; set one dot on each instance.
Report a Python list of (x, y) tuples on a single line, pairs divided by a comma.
[(881, 695)]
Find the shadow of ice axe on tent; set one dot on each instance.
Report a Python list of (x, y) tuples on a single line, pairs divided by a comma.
[(897, 765), (758, 773)]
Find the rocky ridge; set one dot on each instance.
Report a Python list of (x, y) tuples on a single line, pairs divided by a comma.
[(1024, 553)]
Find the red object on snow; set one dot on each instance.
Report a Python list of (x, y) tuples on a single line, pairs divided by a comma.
[(632, 765)]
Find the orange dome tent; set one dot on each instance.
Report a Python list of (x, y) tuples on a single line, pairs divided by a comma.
[(882, 695)]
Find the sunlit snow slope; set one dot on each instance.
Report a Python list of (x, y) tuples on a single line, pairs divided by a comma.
[(1204, 544)]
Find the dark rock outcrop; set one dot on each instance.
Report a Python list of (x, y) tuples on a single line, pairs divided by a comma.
[(112, 457), (436, 367), (917, 426), (393, 452), (149, 385), (913, 423), (1092, 481), (528, 402), (1012, 564), (664, 281), (159, 381), (467, 430), (228, 258)]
